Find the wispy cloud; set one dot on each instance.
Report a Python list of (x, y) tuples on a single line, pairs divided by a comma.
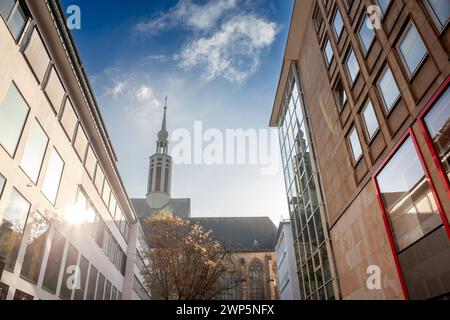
[(227, 37), (190, 14), (233, 52), (117, 89)]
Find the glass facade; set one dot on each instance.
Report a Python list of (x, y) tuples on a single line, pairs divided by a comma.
[(12, 228), (437, 122), (311, 246)]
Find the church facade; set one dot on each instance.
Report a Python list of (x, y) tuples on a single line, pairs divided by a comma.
[(251, 239)]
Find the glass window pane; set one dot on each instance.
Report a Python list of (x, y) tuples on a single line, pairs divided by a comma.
[(355, 144), (37, 239), (54, 263), (338, 24), (366, 34), (12, 228), (17, 23), (84, 265), (407, 197), (2, 184), (81, 143), (100, 287), (34, 152), (441, 9), (92, 283), (412, 49), (352, 66), (437, 122), (328, 52), (389, 89), (20, 295), (3, 291), (384, 4), (6, 7), (370, 119), (13, 114), (107, 290), (69, 119), (68, 284), (53, 177)]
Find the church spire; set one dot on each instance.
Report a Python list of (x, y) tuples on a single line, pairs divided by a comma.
[(163, 135), (160, 169)]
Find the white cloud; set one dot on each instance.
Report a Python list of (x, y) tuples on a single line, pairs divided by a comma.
[(145, 94), (116, 90), (233, 51), (188, 13)]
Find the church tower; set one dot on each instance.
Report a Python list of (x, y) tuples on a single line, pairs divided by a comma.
[(160, 170)]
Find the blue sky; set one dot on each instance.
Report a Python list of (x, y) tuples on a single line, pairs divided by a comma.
[(219, 62)]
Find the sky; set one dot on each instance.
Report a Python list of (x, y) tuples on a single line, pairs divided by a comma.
[(217, 60)]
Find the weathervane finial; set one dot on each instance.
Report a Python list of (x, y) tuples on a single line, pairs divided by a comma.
[(165, 103)]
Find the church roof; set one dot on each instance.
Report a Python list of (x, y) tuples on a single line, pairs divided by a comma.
[(242, 233), (178, 207)]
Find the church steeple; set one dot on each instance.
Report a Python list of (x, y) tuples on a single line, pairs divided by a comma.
[(160, 170), (163, 135)]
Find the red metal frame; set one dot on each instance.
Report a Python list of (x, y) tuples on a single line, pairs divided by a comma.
[(407, 134), (430, 144)]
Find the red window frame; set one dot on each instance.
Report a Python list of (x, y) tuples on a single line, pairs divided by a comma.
[(429, 140), (408, 134)]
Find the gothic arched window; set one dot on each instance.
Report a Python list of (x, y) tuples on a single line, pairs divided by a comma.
[(256, 280)]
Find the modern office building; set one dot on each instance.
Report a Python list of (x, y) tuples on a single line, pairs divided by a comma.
[(287, 279), (364, 115), (67, 226)]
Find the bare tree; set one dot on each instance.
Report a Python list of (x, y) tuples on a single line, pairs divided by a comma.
[(185, 261)]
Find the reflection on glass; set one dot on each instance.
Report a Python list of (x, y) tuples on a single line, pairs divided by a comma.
[(53, 177), (92, 283), (67, 285), (12, 228), (366, 34), (13, 113), (6, 7), (34, 152), (84, 265), (407, 197), (412, 49), (441, 9), (437, 121), (17, 23), (384, 4), (370, 119), (338, 24), (2, 184), (389, 89), (329, 52), (20, 295), (355, 144), (32, 261), (54, 263), (352, 66)]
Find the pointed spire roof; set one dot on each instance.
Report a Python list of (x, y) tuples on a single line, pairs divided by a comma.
[(163, 135)]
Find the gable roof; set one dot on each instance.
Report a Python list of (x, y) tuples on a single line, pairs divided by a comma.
[(255, 234)]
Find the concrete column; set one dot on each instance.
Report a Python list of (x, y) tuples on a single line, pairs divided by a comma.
[(131, 261)]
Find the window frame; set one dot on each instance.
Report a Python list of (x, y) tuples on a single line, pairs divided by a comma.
[(347, 57), (39, 173), (386, 109), (14, 153), (25, 11), (337, 36), (437, 23), (361, 42), (53, 203), (352, 152), (408, 134), (384, 13), (406, 30), (369, 137), (429, 141), (324, 50)]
